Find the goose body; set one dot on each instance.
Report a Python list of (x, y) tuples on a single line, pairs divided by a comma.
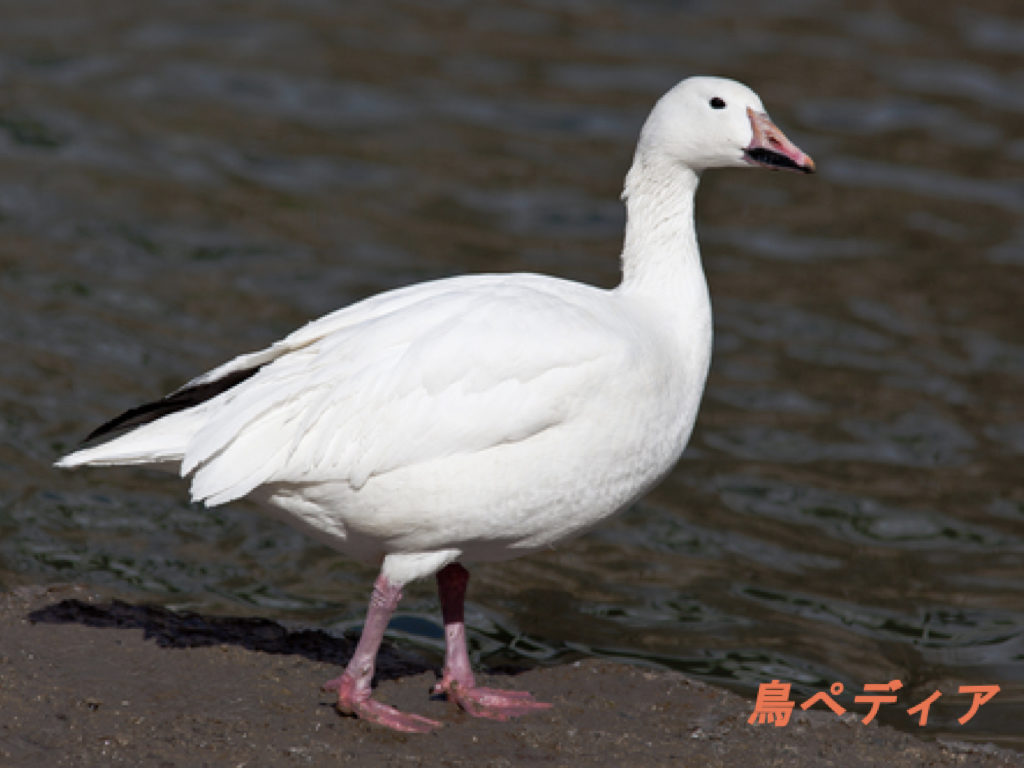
[(479, 417)]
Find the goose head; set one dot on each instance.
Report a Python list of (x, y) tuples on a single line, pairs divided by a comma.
[(712, 122)]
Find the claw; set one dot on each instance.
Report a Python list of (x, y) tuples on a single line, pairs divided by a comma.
[(352, 701), (389, 717), (492, 703)]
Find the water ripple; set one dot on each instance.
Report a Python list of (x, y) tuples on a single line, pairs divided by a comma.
[(927, 182), (856, 518)]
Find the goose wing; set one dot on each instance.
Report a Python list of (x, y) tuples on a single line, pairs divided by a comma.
[(462, 366)]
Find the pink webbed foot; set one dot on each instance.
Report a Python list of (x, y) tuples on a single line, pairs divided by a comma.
[(457, 682), (492, 703), (353, 701)]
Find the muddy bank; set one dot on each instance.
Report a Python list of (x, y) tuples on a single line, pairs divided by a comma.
[(88, 682)]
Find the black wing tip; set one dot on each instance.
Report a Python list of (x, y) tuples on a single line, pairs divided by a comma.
[(117, 424), (181, 400)]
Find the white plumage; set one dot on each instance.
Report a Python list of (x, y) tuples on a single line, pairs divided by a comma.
[(480, 417)]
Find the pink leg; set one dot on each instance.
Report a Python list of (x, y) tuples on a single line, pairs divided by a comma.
[(457, 681), (353, 686)]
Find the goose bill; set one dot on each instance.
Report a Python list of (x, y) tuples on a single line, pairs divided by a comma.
[(771, 149)]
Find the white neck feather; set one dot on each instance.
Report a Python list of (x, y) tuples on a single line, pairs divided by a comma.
[(661, 267), (660, 257)]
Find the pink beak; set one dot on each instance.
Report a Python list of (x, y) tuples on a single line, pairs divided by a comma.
[(770, 147)]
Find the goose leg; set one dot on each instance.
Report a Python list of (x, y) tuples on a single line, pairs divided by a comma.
[(457, 681), (353, 685)]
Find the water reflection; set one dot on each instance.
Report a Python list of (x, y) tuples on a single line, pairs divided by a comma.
[(177, 190)]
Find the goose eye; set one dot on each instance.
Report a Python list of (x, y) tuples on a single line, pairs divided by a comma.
[(717, 103)]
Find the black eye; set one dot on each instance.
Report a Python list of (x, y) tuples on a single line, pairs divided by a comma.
[(717, 103)]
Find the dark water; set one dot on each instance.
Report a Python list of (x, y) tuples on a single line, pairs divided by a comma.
[(181, 182)]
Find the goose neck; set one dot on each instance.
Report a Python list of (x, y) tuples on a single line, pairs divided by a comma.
[(660, 252)]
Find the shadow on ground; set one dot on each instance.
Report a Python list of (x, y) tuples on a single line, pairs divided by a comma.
[(172, 629)]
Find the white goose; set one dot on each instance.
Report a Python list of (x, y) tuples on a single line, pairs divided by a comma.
[(478, 417)]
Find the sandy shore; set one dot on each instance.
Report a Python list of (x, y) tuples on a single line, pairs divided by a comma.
[(85, 682)]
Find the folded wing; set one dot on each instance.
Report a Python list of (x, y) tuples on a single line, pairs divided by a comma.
[(422, 376)]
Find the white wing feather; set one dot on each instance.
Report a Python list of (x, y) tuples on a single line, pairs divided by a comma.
[(453, 366)]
